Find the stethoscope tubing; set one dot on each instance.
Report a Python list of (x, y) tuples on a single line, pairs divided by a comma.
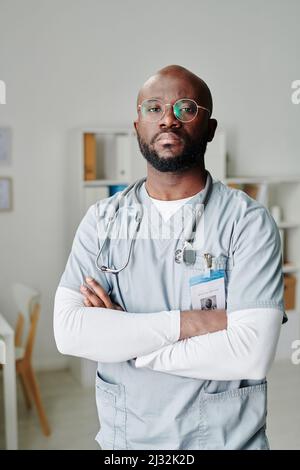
[(116, 204)]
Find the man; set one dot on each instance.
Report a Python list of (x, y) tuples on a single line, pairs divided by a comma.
[(208, 305), (170, 375)]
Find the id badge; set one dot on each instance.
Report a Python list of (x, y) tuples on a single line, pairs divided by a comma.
[(208, 290)]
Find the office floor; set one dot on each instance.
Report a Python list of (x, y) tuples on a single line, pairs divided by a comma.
[(73, 417)]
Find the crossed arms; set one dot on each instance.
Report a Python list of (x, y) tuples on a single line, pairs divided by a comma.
[(194, 343)]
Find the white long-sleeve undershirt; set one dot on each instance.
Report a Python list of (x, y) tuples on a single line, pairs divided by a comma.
[(106, 335), (245, 350)]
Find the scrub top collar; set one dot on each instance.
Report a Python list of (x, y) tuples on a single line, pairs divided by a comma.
[(194, 201)]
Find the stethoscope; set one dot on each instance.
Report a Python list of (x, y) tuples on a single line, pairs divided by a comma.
[(186, 254)]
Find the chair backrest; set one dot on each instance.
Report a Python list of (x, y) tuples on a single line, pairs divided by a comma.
[(27, 301)]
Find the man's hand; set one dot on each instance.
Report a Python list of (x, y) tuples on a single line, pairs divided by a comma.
[(201, 322), (96, 296), (192, 322)]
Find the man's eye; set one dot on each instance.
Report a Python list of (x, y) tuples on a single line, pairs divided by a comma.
[(186, 110), (154, 109)]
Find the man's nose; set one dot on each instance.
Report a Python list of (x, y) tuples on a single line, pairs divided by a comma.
[(169, 119)]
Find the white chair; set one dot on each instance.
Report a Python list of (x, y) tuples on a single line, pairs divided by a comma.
[(27, 300)]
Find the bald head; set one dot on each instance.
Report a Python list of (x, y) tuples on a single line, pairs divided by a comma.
[(176, 72)]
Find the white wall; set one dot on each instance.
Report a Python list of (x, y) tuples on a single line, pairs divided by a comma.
[(80, 63)]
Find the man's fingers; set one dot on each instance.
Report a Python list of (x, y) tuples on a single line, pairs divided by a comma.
[(118, 307), (97, 296), (87, 303), (91, 297), (101, 293)]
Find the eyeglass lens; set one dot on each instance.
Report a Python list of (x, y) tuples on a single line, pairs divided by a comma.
[(153, 110)]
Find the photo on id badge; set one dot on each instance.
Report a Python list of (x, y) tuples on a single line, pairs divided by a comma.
[(208, 290)]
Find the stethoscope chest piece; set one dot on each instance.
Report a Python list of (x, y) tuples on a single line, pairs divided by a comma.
[(185, 255)]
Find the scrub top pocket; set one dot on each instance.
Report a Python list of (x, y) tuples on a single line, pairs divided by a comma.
[(110, 400), (235, 419)]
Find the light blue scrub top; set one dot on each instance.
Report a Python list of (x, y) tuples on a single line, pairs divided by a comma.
[(144, 409)]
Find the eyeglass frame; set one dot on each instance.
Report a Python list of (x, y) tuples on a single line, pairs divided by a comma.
[(173, 105)]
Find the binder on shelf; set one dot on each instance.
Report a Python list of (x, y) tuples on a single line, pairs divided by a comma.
[(90, 167), (289, 292), (257, 191), (115, 188), (282, 239), (123, 158), (251, 189), (263, 194)]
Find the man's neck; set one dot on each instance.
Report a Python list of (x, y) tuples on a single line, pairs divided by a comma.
[(172, 186)]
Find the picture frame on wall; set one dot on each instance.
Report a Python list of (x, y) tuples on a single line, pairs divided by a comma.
[(5, 193)]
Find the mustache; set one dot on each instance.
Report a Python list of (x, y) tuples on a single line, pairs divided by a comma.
[(178, 134)]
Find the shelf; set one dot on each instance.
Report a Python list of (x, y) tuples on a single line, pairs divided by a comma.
[(288, 224), (96, 183), (107, 131), (262, 179), (291, 312), (289, 268)]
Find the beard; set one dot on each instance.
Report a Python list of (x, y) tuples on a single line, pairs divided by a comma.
[(191, 156)]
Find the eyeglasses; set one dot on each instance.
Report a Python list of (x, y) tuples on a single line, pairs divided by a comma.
[(184, 110)]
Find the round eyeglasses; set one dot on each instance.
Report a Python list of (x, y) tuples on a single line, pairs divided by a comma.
[(184, 110)]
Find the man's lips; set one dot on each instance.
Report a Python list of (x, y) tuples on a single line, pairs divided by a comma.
[(168, 138)]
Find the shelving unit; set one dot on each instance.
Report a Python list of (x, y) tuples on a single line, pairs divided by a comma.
[(110, 159), (283, 191)]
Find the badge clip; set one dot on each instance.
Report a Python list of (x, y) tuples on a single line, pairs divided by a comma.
[(208, 260)]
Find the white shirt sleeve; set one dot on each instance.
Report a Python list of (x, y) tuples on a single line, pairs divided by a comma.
[(106, 335), (245, 350)]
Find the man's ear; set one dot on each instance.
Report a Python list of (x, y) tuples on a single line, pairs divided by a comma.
[(212, 126), (135, 123)]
